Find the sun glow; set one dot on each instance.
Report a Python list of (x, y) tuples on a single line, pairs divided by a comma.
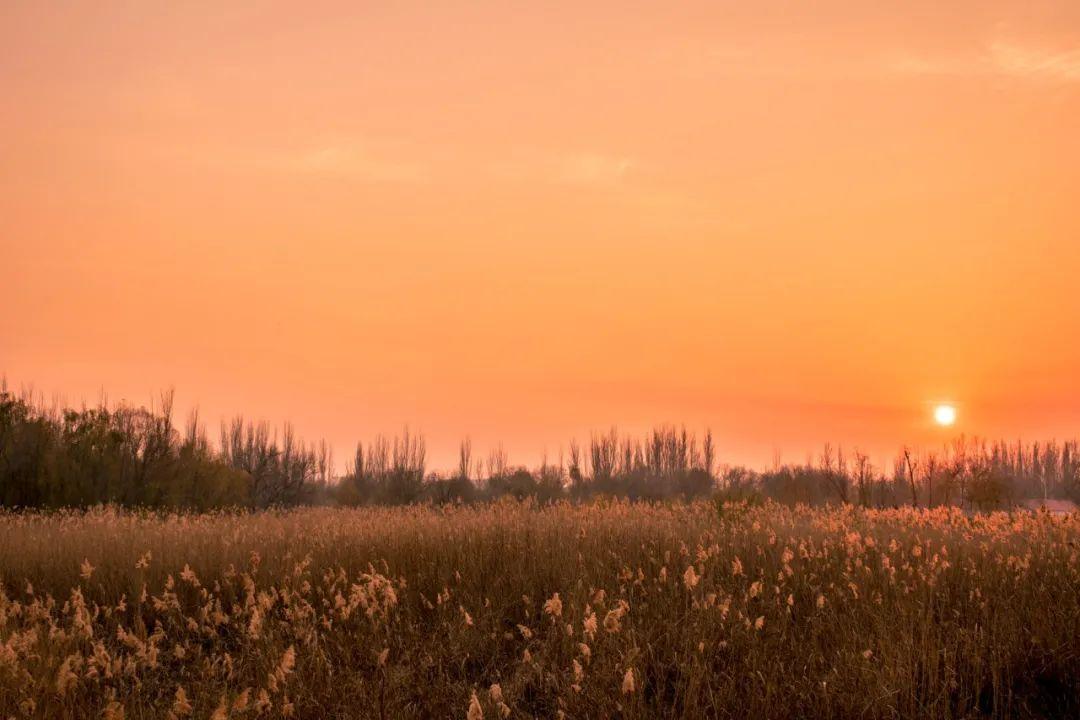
[(945, 415)]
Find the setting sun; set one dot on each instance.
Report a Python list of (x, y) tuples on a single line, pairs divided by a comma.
[(945, 415)]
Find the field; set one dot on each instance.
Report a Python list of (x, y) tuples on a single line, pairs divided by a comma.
[(512, 610)]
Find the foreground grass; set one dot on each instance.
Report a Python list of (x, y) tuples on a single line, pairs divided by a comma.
[(511, 611)]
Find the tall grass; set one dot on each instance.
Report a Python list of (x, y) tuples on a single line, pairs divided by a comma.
[(580, 611)]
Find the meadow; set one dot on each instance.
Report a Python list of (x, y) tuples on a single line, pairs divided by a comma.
[(516, 610)]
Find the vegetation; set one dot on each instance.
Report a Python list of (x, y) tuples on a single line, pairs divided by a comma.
[(606, 609), (137, 457), (826, 589)]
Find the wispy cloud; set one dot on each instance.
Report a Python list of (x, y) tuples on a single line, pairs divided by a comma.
[(350, 160), (1022, 61), (997, 59), (906, 64), (584, 168), (345, 159), (593, 169)]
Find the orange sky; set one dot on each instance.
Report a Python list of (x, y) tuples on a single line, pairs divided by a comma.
[(794, 222)]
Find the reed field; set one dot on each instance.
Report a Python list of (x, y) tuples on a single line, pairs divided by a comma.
[(514, 610)]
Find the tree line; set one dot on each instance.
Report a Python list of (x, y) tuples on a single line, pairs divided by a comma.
[(139, 457)]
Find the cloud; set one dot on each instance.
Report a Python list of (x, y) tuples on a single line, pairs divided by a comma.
[(350, 160), (593, 169), (905, 64), (582, 169), (997, 59), (1021, 61)]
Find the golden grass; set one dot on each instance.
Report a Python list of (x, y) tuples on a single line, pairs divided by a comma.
[(605, 610)]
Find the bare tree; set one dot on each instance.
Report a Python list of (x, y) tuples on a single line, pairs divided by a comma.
[(466, 469), (864, 473), (497, 462), (910, 466)]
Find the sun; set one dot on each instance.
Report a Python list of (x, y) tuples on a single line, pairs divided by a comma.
[(945, 415)]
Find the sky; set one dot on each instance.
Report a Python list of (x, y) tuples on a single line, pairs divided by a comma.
[(794, 223)]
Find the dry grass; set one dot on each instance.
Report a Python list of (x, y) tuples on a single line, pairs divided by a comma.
[(593, 611)]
